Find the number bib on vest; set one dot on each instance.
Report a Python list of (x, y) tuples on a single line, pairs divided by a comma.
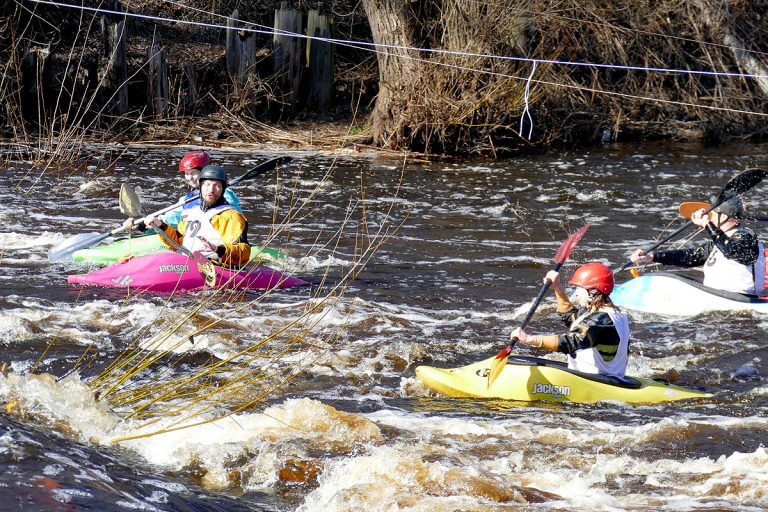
[(199, 225)]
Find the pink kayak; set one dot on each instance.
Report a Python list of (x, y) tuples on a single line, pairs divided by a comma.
[(174, 272)]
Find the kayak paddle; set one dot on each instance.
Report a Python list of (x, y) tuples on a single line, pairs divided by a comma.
[(686, 210), (63, 250), (561, 256), (736, 186)]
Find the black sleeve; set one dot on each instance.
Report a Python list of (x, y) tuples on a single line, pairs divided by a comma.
[(741, 246), (691, 257), (596, 330)]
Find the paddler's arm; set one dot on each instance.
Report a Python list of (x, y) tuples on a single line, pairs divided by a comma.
[(741, 246), (596, 331), (130, 225), (687, 258), (546, 341), (564, 308), (233, 229), (176, 234)]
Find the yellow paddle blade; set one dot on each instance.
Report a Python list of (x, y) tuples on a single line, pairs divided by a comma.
[(205, 267), (634, 272), (130, 204), (687, 209), (496, 367)]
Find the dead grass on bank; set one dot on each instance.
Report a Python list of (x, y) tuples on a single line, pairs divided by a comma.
[(460, 103), (447, 103)]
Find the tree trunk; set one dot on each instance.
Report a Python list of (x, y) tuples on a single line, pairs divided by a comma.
[(393, 25)]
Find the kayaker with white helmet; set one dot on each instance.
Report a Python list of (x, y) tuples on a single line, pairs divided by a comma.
[(597, 340), (213, 227), (733, 260)]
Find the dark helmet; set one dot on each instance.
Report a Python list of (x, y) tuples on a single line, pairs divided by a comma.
[(214, 172), (733, 208), (194, 160)]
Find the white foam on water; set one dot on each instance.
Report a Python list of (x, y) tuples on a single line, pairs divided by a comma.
[(256, 444), (14, 241), (68, 403), (387, 478)]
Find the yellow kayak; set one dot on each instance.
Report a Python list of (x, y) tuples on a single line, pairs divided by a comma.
[(533, 378)]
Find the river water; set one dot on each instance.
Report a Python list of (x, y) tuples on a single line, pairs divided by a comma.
[(328, 413)]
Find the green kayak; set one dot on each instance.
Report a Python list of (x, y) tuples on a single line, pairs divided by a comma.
[(151, 244)]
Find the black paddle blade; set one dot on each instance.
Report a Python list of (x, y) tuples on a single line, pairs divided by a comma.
[(740, 183), (262, 168)]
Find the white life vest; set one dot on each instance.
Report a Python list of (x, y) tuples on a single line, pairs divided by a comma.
[(590, 361), (199, 225), (730, 275)]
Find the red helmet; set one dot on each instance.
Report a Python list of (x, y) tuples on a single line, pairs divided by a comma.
[(594, 276), (194, 160)]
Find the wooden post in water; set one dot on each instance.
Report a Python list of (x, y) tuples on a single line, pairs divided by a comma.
[(287, 57), (114, 65), (319, 62), (233, 45), (241, 51), (190, 97), (247, 67), (35, 80), (157, 77)]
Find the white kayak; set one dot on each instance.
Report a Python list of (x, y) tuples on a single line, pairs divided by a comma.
[(665, 293)]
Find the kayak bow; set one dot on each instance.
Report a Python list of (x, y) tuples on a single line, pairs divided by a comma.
[(666, 293), (170, 272)]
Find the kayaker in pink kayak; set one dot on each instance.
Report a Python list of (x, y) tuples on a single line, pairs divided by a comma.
[(214, 227), (598, 337), (733, 260), (191, 166)]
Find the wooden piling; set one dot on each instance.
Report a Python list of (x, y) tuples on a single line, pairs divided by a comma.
[(157, 78), (320, 62), (35, 80), (241, 51), (114, 64), (190, 96), (287, 59), (233, 45)]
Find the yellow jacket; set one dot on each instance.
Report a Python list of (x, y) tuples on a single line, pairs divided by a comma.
[(233, 229)]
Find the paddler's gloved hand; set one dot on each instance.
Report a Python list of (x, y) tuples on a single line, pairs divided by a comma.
[(640, 257), (128, 224), (700, 218), (153, 222)]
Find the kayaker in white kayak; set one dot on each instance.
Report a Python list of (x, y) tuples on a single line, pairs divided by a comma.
[(733, 260), (597, 340), (214, 227)]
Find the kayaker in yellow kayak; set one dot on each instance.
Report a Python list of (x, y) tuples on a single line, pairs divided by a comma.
[(214, 227), (733, 260), (598, 337)]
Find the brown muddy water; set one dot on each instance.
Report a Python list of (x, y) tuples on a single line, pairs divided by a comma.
[(355, 429)]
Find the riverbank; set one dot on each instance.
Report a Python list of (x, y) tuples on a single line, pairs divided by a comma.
[(512, 79)]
